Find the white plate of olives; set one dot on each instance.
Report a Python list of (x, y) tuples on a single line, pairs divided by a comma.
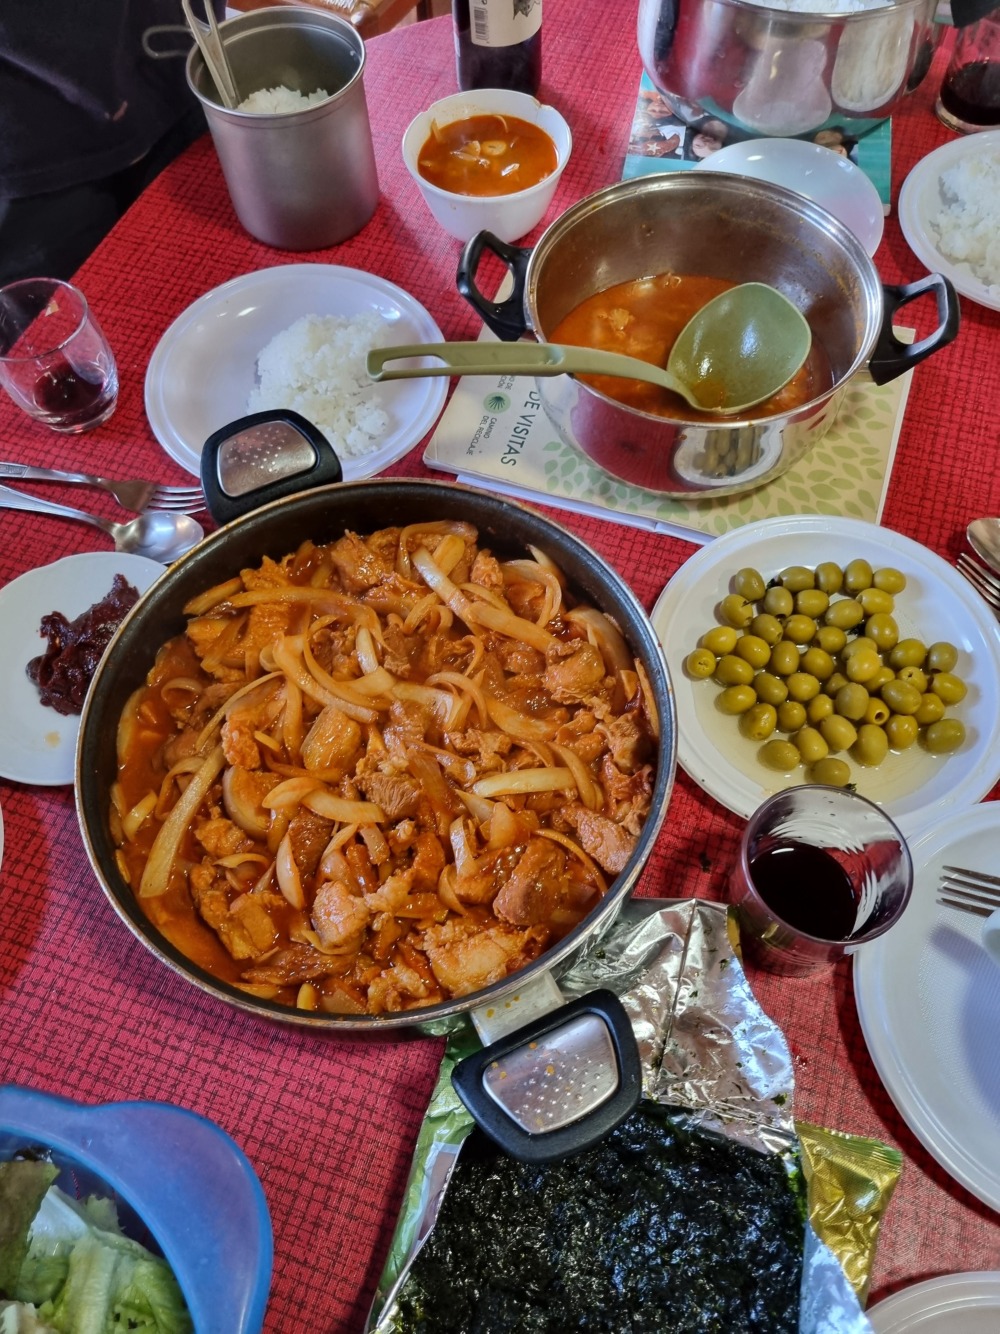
[(811, 649)]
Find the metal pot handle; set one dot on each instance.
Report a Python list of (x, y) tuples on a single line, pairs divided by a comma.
[(891, 357), (505, 318)]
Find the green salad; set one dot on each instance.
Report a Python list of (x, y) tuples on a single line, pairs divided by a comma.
[(66, 1266)]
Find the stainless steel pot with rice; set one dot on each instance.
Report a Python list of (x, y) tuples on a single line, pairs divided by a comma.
[(792, 68), (376, 754)]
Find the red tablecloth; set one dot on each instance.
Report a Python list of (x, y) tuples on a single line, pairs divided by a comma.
[(330, 1124)]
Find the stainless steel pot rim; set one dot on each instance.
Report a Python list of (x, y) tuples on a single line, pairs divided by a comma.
[(446, 1012), (738, 186)]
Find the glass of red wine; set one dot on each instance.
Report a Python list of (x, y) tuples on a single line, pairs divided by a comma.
[(55, 362), (970, 91), (821, 870)]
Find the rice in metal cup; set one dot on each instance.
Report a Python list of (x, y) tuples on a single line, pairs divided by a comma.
[(301, 179), (821, 870)]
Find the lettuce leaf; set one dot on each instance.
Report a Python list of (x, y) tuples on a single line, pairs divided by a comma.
[(23, 1185)]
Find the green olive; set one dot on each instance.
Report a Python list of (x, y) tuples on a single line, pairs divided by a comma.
[(931, 709), (872, 745), (901, 697), (902, 730), (874, 600), (800, 629), (719, 640), (735, 699), (770, 689), (949, 687), (733, 671), (845, 614), (944, 737), (749, 583), (882, 630), (791, 716), (780, 755), (859, 645), (811, 746), (736, 611), (802, 686), (829, 577), (877, 712), (758, 722), (858, 574), (890, 580), (700, 664), (862, 666), (797, 577), (851, 701), (838, 733), (811, 602), (753, 650), (942, 657), (879, 679), (817, 662), (908, 653), (819, 708), (831, 772), (833, 683), (766, 627), (830, 638), (778, 601), (914, 676), (784, 658)]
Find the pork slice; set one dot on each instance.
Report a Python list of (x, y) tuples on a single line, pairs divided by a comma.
[(466, 960), (397, 794), (309, 834), (292, 966), (536, 887), (359, 564), (606, 841), (628, 741), (210, 894), (574, 677), (221, 837), (339, 917)]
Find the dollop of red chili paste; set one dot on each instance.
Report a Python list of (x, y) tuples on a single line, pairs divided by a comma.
[(64, 671)]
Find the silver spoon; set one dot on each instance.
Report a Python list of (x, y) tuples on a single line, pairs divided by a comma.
[(159, 534), (984, 539)]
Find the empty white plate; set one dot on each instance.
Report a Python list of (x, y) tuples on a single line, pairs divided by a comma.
[(825, 177), (948, 1304)]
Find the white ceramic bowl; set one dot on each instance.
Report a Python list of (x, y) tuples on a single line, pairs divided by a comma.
[(822, 175), (508, 216)]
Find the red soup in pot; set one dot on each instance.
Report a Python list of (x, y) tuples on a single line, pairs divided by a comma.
[(642, 318), (487, 155)]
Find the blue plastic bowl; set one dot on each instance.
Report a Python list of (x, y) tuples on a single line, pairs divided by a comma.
[(182, 1187)]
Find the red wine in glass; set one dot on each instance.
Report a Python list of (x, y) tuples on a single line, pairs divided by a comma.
[(73, 397), (807, 888), (971, 94)]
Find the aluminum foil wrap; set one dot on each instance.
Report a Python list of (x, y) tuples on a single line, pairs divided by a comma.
[(707, 1047)]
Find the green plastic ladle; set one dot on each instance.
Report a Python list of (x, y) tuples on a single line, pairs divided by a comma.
[(739, 349)]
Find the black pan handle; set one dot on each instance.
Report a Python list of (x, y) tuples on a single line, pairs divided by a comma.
[(891, 357), (468, 1079), (506, 318)]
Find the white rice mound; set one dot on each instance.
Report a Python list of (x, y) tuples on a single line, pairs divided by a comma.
[(281, 99), (823, 6), (967, 225), (317, 367)]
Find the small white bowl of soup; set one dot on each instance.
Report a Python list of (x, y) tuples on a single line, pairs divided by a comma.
[(487, 160)]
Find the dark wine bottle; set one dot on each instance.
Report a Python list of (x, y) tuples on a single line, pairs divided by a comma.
[(498, 44)]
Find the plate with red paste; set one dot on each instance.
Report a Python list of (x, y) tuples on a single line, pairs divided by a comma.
[(56, 622)]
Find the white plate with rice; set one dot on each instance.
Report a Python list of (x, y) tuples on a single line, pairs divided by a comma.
[(949, 210), (295, 336)]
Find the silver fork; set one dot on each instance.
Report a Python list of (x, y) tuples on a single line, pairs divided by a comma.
[(134, 495), (985, 584), (971, 891)]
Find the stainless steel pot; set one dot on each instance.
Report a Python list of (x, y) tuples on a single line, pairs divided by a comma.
[(780, 71), (706, 224), (324, 514)]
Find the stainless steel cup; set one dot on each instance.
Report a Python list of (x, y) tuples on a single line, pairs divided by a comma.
[(298, 180)]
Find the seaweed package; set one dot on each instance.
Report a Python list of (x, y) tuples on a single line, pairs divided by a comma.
[(690, 1217)]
